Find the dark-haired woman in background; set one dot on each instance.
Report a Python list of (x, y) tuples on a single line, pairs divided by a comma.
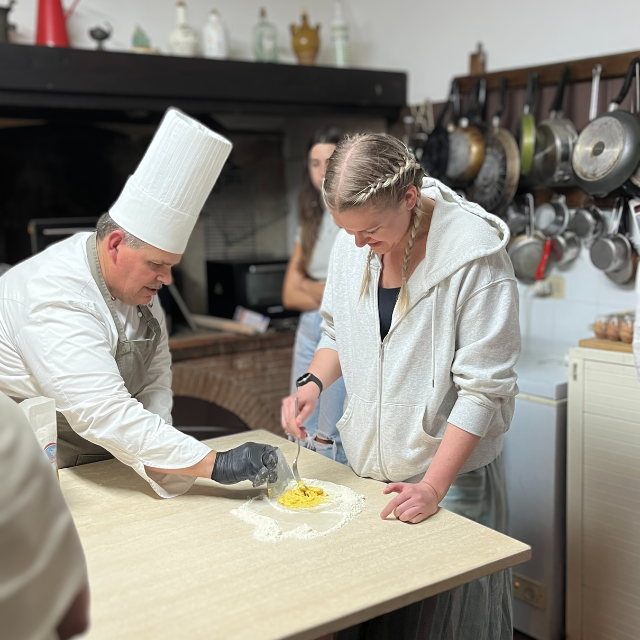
[(303, 289)]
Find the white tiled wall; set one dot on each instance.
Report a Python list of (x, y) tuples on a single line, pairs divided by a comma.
[(588, 293)]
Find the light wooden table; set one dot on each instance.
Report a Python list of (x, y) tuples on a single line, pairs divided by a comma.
[(186, 568)]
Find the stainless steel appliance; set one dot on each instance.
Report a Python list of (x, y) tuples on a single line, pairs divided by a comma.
[(46, 231), (535, 466), (254, 284)]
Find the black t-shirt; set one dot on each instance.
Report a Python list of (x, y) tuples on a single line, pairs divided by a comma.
[(387, 299)]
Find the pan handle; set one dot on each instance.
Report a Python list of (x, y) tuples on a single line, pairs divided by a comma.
[(545, 258), (559, 97), (595, 92), (443, 113), (472, 104), (615, 103), (532, 84), (503, 97), (482, 101)]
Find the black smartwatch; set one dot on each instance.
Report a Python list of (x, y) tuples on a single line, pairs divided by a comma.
[(306, 378)]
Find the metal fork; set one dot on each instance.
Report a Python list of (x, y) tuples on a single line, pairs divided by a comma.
[(296, 475)]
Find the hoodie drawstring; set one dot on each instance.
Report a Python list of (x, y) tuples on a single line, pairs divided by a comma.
[(433, 338)]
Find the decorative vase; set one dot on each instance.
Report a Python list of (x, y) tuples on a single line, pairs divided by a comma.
[(140, 42), (215, 42), (265, 40), (183, 40), (306, 41)]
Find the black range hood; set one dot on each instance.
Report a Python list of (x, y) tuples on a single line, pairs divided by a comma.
[(40, 81)]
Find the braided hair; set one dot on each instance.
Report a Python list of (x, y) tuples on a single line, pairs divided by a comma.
[(375, 169)]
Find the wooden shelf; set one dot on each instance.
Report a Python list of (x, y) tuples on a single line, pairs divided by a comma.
[(613, 66), (606, 345), (41, 79)]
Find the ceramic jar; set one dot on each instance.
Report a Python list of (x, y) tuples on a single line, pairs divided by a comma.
[(183, 40), (265, 40), (306, 41), (214, 37)]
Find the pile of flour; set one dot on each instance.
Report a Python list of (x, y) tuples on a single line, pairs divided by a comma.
[(273, 522)]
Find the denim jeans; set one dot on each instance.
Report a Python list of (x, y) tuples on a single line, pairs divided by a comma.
[(322, 422)]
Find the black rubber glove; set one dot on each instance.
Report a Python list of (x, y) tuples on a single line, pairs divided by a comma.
[(250, 461)]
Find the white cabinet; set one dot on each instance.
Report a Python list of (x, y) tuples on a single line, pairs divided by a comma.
[(603, 497)]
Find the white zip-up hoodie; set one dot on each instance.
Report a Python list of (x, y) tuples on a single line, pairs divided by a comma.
[(450, 358)]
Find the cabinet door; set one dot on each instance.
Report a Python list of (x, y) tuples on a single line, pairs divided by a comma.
[(603, 581)]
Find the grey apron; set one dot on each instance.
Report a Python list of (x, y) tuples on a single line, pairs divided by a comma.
[(133, 358)]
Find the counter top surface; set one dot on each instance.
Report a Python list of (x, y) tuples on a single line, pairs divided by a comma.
[(187, 568)]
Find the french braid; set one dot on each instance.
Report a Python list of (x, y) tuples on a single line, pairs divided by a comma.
[(374, 169), (416, 219)]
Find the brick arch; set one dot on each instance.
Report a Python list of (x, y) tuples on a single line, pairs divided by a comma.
[(249, 385)]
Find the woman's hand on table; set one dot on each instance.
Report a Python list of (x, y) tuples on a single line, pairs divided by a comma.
[(414, 502), (307, 396)]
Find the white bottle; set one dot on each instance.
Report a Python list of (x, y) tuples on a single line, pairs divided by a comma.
[(340, 37), (215, 38), (183, 40)]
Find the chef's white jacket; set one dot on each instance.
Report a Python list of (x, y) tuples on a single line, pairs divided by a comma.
[(42, 565), (58, 339)]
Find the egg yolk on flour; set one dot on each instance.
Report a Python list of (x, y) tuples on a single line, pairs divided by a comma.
[(303, 497)]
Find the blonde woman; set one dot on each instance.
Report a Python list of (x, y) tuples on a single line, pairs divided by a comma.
[(420, 317), (303, 289)]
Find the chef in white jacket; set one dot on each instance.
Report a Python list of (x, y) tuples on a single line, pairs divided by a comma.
[(44, 592), (80, 323)]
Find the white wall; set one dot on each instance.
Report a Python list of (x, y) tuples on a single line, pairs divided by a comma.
[(588, 294), (429, 39)]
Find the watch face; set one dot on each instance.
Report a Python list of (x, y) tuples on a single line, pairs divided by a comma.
[(303, 379)]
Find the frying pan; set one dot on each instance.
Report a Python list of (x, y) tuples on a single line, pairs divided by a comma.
[(466, 142), (608, 149), (555, 139), (497, 181), (527, 135), (435, 153)]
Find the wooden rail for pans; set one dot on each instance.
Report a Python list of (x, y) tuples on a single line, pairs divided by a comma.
[(613, 66)]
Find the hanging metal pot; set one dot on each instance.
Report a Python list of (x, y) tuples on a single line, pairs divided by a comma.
[(565, 248), (516, 219), (587, 224), (527, 135), (552, 218), (466, 142), (612, 252), (495, 185), (530, 252), (555, 139), (608, 149)]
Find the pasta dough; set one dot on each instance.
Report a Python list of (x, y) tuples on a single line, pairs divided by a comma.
[(303, 497)]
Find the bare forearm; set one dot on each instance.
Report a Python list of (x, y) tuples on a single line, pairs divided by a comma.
[(455, 449), (326, 366), (202, 469), (313, 288), (296, 298)]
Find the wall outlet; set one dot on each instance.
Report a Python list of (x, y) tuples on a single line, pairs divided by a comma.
[(557, 287), (552, 287), (529, 591)]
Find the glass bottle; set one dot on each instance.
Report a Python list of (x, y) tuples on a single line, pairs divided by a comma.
[(340, 37), (265, 40), (215, 44)]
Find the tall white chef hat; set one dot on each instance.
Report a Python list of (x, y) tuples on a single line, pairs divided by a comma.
[(163, 198)]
